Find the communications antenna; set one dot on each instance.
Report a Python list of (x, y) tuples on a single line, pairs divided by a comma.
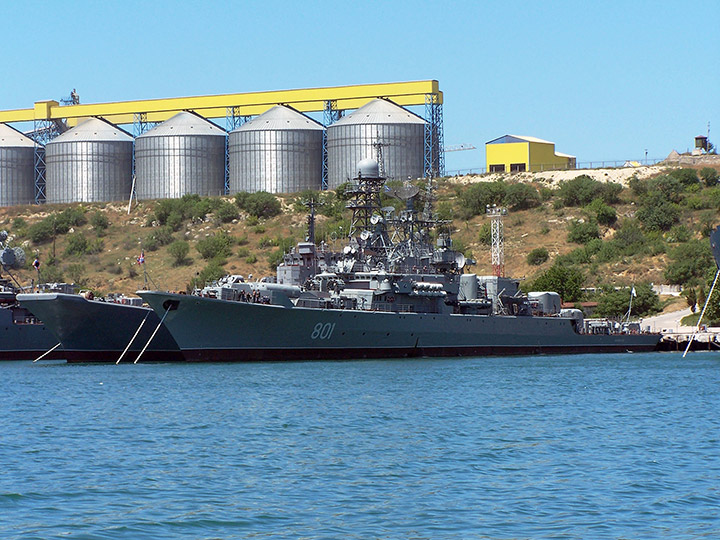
[(497, 252)]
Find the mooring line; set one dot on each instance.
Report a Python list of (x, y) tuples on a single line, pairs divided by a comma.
[(153, 335), (133, 338), (43, 355)]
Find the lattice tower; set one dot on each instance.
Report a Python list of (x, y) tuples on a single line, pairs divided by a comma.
[(497, 250)]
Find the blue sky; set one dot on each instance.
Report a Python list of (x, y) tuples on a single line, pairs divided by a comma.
[(604, 82)]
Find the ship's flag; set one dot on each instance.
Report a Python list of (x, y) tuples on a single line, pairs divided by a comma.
[(36, 264), (633, 293), (141, 258)]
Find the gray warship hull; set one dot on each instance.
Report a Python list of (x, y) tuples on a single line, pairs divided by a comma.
[(21, 340), (209, 329), (97, 331)]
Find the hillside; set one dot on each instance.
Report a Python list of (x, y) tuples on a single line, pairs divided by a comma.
[(105, 260)]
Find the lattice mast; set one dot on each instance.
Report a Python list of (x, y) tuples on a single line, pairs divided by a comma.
[(497, 250)]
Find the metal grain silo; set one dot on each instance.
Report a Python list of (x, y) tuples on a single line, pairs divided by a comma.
[(280, 151), (17, 177), (185, 154), (91, 162), (399, 133)]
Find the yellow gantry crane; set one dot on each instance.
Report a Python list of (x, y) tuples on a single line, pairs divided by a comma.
[(245, 104)]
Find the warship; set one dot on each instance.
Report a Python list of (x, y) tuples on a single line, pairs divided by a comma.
[(102, 330), (22, 335), (397, 289)]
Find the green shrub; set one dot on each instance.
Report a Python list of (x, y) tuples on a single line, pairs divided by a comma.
[(544, 229), (99, 221), (537, 256), (161, 236), (251, 259), (475, 198), (40, 232), (656, 213), (686, 177), (637, 186), (218, 245), (243, 252), (70, 217), (564, 280), (77, 244), (615, 303), (19, 226), (546, 193), (242, 240), (212, 272), (226, 212), (179, 250), (582, 189), (76, 273), (582, 232), (604, 214), (95, 246), (521, 196), (275, 258), (669, 186), (241, 199), (51, 273), (260, 204), (485, 234), (710, 176), (678, 234), (689, 262), (174, 212), (266, 241), (698, 201), (175, 220)]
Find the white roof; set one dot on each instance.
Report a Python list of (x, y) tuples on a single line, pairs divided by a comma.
[(380, 111), (184, 123), (93, 129), (12, 138), (560, 154), (280, 117), (532, 139)]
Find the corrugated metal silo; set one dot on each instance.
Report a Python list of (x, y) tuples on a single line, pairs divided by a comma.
[(91, 162), (185, 154), (354, 137), (17, 177), (280, 151)]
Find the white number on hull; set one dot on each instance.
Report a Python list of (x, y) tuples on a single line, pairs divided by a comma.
[(322, 331)]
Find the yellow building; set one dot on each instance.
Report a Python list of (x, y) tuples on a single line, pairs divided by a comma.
[(513, 153)]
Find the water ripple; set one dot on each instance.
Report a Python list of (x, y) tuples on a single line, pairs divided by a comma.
[(615, 446)]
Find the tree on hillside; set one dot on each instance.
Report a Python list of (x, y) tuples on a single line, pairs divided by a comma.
[(709, 176), (689, 262), (615, 303), (657, 213), (564, 280)]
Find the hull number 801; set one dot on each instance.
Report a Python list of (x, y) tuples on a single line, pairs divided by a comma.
[(322, 331)]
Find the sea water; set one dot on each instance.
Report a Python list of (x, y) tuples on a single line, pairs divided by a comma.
[(595, 446)]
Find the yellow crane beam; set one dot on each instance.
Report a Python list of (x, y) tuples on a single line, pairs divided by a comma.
[(244, 104)]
